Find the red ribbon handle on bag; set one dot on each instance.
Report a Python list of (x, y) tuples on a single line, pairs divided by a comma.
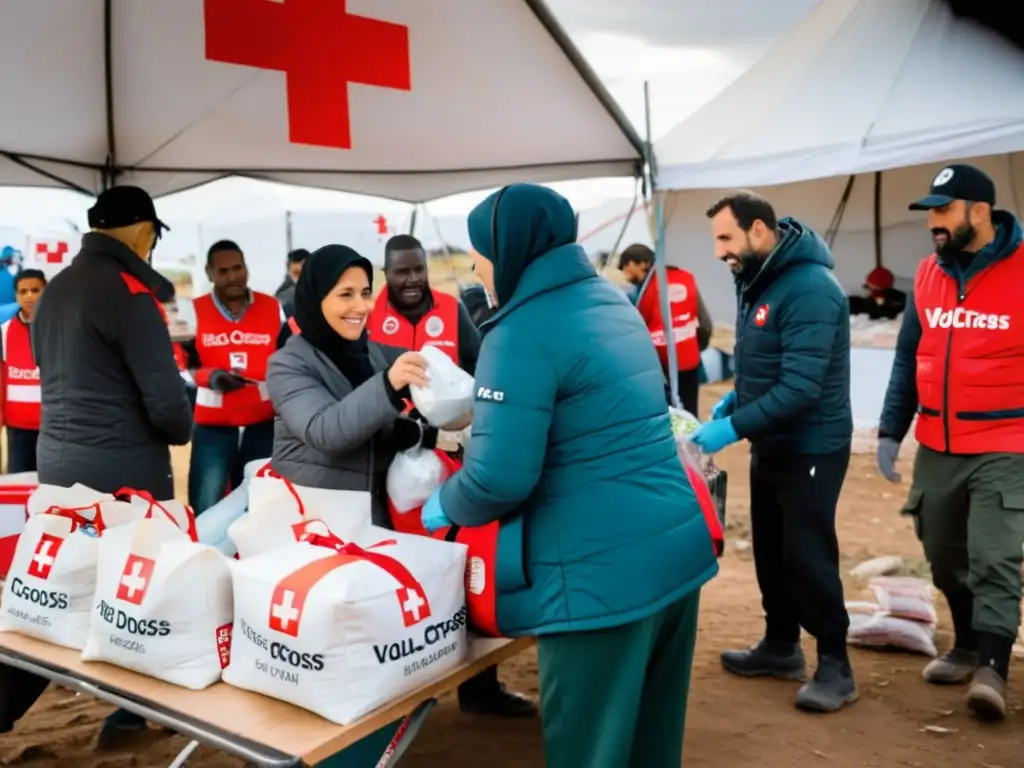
[(124, 494), (74, 514), (266, 471)]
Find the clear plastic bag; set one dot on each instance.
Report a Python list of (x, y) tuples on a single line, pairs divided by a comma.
[(414, 475), (880, 630), (905, 597), (447, 402), (685, 424)]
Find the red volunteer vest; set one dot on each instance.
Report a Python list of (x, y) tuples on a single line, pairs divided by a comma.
[(970, 359), (21, 391), (137, 286), (682, 294), (438, 328), (243, 346)]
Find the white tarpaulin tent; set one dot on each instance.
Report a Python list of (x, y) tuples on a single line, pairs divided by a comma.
[(858, 87), (357, 96)]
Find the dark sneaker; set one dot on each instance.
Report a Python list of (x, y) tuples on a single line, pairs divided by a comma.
[(954, 667), (119, 728), (831, 688), (784, 661), (498, 702), (986, 697)]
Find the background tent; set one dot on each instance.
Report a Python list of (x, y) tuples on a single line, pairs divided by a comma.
[(857, 89), (414, 101)]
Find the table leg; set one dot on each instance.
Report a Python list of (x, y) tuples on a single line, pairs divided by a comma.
[(406, 734), (184, 755)]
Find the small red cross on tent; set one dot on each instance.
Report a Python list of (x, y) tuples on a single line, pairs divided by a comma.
[(382, 224), (320, 47), (51, 253)]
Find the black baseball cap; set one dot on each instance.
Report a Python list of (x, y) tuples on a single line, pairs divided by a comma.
[(957, 182), (122, 207)]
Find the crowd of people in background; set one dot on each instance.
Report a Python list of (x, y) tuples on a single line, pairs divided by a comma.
[(599, 515)]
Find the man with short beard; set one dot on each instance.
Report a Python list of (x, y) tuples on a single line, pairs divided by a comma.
[(959, 366), (792, 402)]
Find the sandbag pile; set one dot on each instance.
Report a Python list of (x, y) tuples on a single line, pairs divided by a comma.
[(903, 617)]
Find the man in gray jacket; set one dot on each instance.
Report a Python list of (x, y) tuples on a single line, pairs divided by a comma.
[(112, 398)]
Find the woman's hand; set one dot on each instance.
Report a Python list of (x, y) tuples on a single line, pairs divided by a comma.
[(409, 368)]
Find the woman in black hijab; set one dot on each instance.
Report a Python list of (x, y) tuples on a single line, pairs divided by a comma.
[(338, 395)]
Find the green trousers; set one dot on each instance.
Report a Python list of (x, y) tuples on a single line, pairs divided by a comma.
[(969, 515), (616, 698)]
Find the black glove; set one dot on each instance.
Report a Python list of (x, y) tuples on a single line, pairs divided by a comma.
[(226, 381), (410, 433)]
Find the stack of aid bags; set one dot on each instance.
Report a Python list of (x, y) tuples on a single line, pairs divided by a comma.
[(903, 617)]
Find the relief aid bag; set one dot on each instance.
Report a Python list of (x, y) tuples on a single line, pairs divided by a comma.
[(413, 476), (49, 589), (212, 526), (162, 605), (341, 629), (180, 514), (277, 506), (447, 401), (699, 467)]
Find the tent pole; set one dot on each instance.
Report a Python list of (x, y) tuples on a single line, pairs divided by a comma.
[(878, 218), (109, 174), (660, 266)]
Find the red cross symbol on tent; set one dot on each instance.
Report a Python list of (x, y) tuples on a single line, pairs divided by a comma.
[(320, 47), (382, 225), (51, 253)]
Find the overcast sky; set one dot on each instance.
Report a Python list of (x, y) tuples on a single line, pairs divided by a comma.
[(687, 49)]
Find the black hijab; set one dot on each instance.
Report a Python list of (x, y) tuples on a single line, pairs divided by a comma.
[(320, 274)]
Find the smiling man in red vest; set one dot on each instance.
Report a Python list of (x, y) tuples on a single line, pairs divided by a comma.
[(20, 397), (959, 365), (691, 326), (236, 333), (409, 315)]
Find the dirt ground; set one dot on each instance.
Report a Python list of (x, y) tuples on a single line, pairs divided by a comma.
[(732, 723)]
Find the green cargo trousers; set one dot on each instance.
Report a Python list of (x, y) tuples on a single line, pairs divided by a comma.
[(969, 515), (616, 698)]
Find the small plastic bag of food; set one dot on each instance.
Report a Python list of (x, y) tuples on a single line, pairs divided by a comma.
[(905, 597), (880, 630)]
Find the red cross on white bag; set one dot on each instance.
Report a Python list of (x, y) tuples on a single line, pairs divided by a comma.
[(44, 557), (135, 579)]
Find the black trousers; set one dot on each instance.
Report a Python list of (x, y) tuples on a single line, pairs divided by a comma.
[(796, 553), (689, 390), (21, 450)]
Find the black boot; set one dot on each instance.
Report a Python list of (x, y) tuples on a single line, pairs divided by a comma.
[(769, 658), (831, 688), (485, 695), (118, 727), (986, 697)]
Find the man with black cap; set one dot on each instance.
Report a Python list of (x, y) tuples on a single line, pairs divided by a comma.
[(959, 366), (285, 293), (112, 397)]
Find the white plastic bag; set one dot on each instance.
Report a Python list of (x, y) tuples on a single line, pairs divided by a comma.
[(163, 605), (278, 509), (905, 597), (880, 630), (447, 402), (212, 526), (414, 475), (343, 633), (49, 589)]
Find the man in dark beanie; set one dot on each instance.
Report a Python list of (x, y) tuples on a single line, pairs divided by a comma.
[(286, 291)]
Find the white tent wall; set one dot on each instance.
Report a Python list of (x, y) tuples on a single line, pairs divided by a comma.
[(905, 238)]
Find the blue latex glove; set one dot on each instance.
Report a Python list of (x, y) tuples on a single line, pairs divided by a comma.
[(724, 407), (713, 436), (432, 516)]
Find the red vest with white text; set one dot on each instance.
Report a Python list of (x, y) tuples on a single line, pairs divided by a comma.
[(21, 393), (244, 347), (682, 296), (437, 328), (970, 359)]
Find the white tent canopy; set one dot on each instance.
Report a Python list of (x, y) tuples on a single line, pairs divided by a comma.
[(357, 96), (857, 86), (861, 86)]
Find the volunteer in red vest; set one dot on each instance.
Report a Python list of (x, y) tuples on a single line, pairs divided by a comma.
[(20, 392), (409, 315), (691, 327), (236, 333), (959, 366)]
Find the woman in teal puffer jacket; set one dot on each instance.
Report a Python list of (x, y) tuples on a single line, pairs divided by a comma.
[(603, 548)]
